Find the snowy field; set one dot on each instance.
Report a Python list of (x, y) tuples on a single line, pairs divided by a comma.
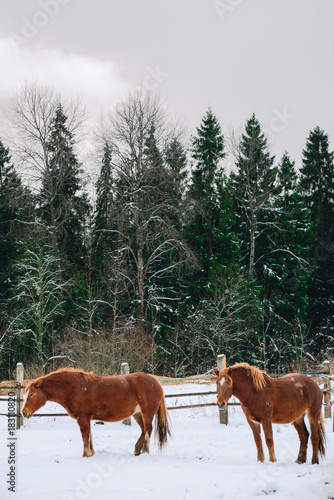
[(202, 461)]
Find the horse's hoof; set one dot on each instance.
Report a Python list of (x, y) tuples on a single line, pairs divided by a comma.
[(88, 454)]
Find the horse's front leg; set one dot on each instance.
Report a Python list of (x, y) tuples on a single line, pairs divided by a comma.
[(88, 450), (268, 432), (256, 429)]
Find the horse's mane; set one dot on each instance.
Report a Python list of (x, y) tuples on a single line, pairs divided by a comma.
[(89, 376), (258, 376)]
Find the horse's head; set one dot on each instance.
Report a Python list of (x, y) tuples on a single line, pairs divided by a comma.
[(35, 398), (224, 386)]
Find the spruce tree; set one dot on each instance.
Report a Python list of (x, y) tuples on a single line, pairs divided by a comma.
[(107, 262), (104, 211), (317, 186), (207, 151), (17, 233), (15, 209), (254, 183), (176, 161), (317, 183), (209, 216), (63, 205), (283, 265)]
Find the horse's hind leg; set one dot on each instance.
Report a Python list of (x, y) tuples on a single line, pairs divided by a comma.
[(145, 423), (314, 424), (147, 419), (147, 416), (256, 429), (303, 437), (140, 443), (88, 450), (144, 418)]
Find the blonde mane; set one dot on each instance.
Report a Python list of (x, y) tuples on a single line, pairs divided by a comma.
[(89, 376), (258, 376)]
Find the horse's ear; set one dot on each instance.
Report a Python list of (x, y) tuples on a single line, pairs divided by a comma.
[(216, 372), (38, 382)]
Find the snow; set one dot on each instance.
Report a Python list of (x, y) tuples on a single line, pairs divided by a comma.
[(203, 459)]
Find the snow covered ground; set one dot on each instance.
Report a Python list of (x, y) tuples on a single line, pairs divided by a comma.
[(203, 460)]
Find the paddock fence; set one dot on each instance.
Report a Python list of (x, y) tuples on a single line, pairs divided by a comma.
[(16, 393)]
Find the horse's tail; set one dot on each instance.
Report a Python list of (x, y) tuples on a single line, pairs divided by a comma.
[(162, 429), (322, 435)]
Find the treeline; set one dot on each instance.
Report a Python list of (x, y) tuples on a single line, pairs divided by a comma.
[(175, 259)]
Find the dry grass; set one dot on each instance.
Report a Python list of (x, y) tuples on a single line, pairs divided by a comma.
[(102, 352)]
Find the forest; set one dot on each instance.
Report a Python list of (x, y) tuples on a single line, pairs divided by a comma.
[(167, 255)]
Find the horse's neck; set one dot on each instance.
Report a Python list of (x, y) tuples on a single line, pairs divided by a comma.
[(242, 385), (57, 392)]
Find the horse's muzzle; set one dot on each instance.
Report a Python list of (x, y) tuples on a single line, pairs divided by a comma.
[(25, 414), (222, 406)]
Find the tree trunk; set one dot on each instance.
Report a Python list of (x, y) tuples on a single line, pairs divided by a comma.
[(252, 249), (141, 292)]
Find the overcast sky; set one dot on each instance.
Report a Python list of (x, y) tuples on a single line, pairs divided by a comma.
[(271, 57)]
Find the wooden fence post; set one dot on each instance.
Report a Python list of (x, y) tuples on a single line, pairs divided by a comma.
[(223, 412), (19, 394), (327, 390), (125, 370)]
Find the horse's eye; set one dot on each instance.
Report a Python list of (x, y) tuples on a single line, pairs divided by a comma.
[(31, 395)]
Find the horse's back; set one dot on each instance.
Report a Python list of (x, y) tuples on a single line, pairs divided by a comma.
[(302, 384), (292, 395), (142, 385), (132, 382)]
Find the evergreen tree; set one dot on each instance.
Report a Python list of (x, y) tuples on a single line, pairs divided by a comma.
[(176, 161), (104, 211), (206, 229), (107, 260), (164, 174), (317, 185), (17, 231), (15, 207), (283, 265), (63, 205), (254, 183), (207, 152), (155, 171)]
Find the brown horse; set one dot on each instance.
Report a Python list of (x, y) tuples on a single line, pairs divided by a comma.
[(282, 400), (87, 397)]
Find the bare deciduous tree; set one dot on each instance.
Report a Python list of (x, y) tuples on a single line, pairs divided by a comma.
[(30, 117), (145, 234)]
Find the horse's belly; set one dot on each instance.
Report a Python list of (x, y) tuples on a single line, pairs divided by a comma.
[(113, 414), (287, 415)]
